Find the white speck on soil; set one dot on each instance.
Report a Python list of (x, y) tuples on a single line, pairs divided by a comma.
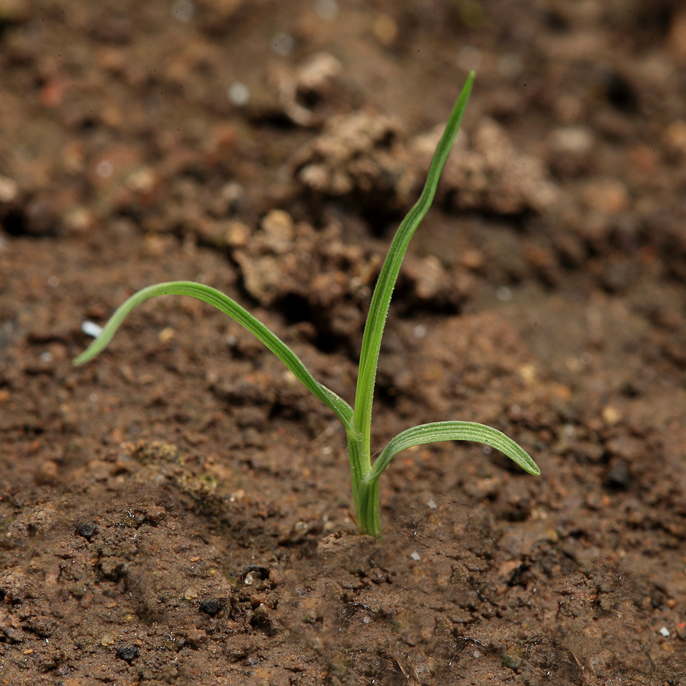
[(238, 94)]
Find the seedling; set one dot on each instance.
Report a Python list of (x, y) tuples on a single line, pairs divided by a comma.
[(356, 419)]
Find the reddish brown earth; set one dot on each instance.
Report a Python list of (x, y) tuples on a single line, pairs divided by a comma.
[(178, 511)]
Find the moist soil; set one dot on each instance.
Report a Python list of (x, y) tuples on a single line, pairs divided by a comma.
[(178, 511)]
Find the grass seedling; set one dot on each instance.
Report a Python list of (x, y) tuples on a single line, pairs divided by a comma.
[(358, 418)]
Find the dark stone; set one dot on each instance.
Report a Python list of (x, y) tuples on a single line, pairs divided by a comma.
[(86, 529), (128, 653), (211, 607)]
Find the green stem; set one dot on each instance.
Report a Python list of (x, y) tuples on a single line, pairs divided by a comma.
[(367, 511), (360, 465), (365, 491)]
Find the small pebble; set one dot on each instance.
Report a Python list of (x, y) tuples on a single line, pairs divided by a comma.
[(238, 94), (472, 259), (318, 73), (611, 415), (211, 607), (571, 140), (673, 137), (416, 556), (47, 474), (166, 335), (278, 224), (237, 234), (127, 653), (256, 600), (9, 189), (86, 529), (665, 631), (386, 30)]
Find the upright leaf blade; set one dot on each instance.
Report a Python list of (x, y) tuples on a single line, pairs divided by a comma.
[(222, 302), (381, 299)]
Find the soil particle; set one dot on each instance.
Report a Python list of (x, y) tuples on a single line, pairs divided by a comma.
[(87, 530), (128, 653), (211, 607)]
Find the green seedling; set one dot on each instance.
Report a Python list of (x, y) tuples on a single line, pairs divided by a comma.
[(356, 419)]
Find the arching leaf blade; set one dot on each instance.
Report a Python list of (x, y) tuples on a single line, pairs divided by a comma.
[(224, 303), (453, 431)]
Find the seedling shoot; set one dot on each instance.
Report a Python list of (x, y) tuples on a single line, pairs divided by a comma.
[(356, 419)]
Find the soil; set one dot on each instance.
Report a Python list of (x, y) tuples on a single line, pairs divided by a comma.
[(178, 511)]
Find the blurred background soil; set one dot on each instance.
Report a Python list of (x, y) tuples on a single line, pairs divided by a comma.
[(178, 511)]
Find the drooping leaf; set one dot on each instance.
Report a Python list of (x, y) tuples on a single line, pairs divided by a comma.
[(222, 302), (453, 431)]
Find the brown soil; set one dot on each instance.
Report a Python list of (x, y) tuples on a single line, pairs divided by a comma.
[(178, 511)]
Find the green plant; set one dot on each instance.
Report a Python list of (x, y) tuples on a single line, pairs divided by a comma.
[(356, 419)]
